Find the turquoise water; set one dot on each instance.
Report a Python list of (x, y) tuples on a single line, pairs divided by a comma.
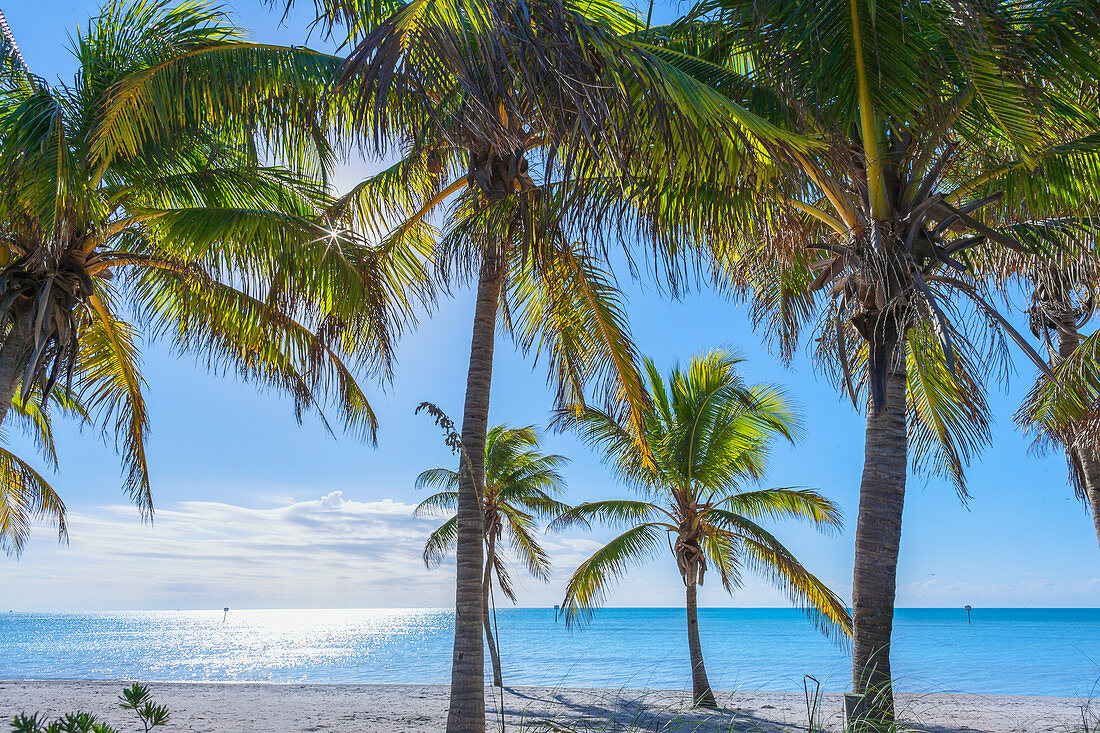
[(1004, 651)]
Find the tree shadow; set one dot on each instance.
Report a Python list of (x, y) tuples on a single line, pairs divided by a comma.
[(529, 710), (586, 711)]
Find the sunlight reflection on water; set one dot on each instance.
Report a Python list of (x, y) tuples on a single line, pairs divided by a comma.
[(1005, 651)]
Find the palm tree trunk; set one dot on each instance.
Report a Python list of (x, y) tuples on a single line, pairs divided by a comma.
[(878, 537), (1084, 460), (1087, 463), (467, 708), (701, 694), (490, 556), (14, 355)]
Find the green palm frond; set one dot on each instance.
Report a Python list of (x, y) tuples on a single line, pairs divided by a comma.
[(969, 131), (613, 439), (257, 340), (591, 583), (948, 412), (280, 94), (709, 432), (142, 180), (568, 307), (1066, 411), (444, 501), (35, 415), (519, 527), (108, 371), (535, 502), (785, 503), (25, 496), (767, 556), (803, 588), (438, 478), (503, 578), (724, 552), (703, 426), (617, 512), (440, 543), (11, 59)]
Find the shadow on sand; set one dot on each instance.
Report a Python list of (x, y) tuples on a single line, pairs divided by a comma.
[(633, 711)]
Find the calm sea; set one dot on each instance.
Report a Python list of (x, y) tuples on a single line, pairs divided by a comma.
[(1003, 651)]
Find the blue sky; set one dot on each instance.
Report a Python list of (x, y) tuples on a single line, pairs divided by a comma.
[(256, 511)]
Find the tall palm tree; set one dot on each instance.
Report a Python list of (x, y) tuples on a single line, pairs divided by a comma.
[(242, 265), (709, 434), (520, 484), (510, 120), (945, 132)]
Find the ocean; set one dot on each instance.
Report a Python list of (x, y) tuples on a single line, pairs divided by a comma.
[(1049, 652)]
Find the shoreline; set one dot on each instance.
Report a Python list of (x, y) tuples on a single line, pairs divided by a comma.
[(232, 707)]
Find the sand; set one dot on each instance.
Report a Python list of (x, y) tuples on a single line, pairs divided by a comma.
[(236, 708)]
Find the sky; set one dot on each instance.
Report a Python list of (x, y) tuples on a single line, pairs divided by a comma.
[(256, 511)]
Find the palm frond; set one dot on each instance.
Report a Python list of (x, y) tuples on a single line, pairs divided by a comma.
[(440, 543), (591, 583), (25, 497), (767, 556), (785, 503), (112, 386), (443, 501), (617, 512), (1065, 411)]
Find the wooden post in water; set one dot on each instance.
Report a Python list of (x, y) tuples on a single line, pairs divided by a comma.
[(967, 612), (225, 613)]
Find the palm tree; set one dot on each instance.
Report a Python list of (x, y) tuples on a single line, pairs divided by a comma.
[(709, 434), (240, 264), (520, 484), (1065, 411), (945, 133), (512, 121)]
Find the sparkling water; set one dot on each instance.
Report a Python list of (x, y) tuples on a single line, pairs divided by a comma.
[(1002, 651)]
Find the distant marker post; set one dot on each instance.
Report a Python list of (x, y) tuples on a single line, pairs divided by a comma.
[(225, 613), (967, 607)]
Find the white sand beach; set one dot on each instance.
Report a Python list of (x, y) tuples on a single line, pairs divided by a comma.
[(236, 708)]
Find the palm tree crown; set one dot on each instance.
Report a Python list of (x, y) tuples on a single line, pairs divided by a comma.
[(241, 264)]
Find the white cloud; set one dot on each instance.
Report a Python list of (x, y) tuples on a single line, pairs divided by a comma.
[(324, 552), (339, 553)]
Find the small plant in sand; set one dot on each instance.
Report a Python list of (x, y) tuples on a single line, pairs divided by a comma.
[(136, 698)]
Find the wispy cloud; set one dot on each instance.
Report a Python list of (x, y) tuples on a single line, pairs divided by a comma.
[(335, 552), (327, 551)]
